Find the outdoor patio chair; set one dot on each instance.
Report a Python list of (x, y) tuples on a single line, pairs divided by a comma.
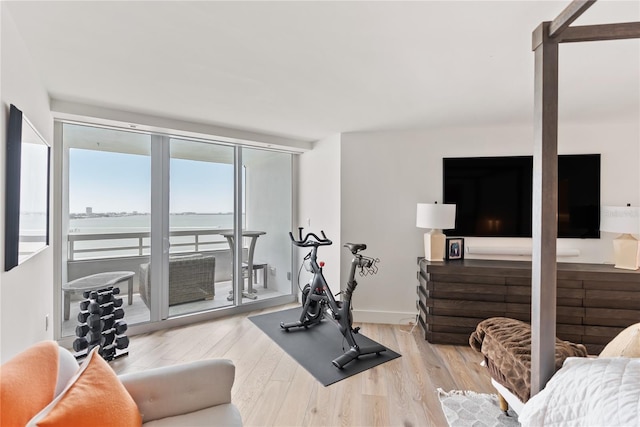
[(191, 278)]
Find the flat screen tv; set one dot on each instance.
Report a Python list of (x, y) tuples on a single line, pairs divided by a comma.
[(494, 195)]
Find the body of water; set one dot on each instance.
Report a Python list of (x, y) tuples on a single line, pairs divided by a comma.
[(140, 223)]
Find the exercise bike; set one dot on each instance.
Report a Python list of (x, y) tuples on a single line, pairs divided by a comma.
[(317, 298)]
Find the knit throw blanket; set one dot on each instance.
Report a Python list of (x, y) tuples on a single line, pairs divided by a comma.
[(506, 346)]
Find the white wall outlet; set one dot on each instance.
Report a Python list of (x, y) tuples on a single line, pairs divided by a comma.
[(308, 222), (272, 270)]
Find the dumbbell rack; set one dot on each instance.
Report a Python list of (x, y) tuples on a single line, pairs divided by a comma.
[(101, 324)]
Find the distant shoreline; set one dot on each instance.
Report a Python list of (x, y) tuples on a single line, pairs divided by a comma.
[(98, 223), (121, 214)]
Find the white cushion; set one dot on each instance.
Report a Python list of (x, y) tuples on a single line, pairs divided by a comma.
[(67, 368), (186, 388), (221, 415)]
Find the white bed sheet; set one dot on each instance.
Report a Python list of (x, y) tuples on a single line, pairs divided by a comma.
[(588, 392)]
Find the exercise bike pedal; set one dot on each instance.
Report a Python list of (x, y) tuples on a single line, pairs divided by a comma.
[(356, 329)]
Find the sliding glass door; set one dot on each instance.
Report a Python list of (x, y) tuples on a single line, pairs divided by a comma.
[(266, 195), (201, 213), (106, 218), (159, 217)]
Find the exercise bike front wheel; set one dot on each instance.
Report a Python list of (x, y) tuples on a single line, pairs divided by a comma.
[(314, 312)]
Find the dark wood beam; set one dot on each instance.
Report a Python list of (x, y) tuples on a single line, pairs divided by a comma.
[(591, 33), (545, 209), (568, 15)]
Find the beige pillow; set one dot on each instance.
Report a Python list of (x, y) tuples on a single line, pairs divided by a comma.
[(625, 344)]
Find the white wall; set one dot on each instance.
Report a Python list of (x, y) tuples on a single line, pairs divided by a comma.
[(26, 292), (319, 203), (384, 175)]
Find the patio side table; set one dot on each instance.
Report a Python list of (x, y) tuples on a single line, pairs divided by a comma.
[(96, 281), (249, 293)]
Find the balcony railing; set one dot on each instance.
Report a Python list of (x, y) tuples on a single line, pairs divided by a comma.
[(115, 245)]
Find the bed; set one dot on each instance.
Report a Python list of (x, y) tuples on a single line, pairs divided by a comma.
[(602, 391), (588, 392)]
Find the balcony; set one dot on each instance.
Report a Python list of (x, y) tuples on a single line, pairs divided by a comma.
[(90, 254)]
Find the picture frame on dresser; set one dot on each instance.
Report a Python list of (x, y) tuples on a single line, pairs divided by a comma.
[(455, 248)]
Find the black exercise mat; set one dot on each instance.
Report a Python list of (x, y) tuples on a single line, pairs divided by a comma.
[(314, 348)]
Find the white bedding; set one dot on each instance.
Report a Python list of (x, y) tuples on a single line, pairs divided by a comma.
[(588, 392)]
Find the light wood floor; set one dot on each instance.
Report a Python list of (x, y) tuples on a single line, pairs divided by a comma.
[(271, 389)]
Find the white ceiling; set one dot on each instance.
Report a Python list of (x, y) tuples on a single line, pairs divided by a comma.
[(306, 70)]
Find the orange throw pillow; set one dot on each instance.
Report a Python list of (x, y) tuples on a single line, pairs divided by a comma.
[(28, 383), (94, 397)]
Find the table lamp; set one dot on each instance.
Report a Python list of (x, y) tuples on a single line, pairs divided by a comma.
[(623, 220), (435, 217)]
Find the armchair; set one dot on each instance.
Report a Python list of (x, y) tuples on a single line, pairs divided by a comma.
[(191, 278), (45, 385)]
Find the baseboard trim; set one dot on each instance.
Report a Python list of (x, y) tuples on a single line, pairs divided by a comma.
[(386, 317)]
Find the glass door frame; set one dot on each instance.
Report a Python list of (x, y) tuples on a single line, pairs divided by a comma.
[(238, 280), (159, 253), (159, 257)]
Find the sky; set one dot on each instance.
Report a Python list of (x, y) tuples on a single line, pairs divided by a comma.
[(119, 182)]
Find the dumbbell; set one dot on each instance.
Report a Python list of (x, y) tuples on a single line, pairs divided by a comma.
[(84, 304), (110, 319), (87, 294), (83, 316), (103, 337), (94, 337), (121, 327), (80, 344), (82, 330), (101, 309), (104, 297), (94, 308), (109, 322), (108, 352), (108, 337), (112, 322), (94, 321), (122, 342), (118, 313)]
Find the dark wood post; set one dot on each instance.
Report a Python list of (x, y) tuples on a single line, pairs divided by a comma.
[(545, 208)]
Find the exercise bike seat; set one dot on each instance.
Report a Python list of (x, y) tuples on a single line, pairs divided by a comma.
[(355, 247)]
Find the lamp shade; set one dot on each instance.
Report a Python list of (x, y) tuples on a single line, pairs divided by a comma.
[(435, 216), (620, 219)]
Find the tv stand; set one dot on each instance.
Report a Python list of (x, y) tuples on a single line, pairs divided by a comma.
[(594, 301)]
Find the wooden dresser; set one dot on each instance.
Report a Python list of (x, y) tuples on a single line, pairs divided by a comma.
[(594, 301)]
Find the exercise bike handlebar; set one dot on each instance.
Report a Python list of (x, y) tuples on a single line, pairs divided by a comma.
[(311, 239)]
